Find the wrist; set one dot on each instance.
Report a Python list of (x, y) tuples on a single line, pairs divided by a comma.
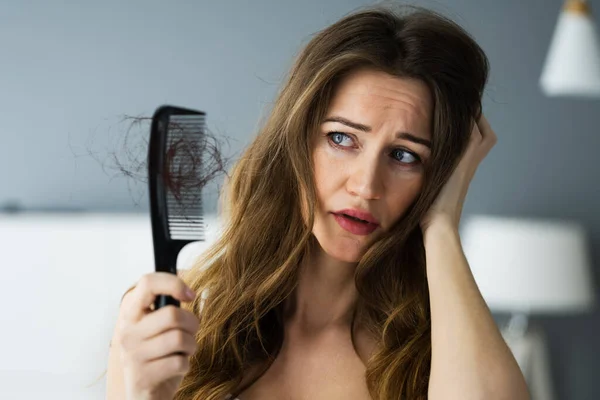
[(440, 227)]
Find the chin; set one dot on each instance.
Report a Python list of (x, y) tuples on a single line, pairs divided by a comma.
[(337, 243), (341, 247), (349, 253)]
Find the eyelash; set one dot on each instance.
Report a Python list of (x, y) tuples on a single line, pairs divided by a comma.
[(332, 143)]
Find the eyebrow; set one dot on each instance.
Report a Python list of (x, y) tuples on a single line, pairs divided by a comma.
[(366, 128)]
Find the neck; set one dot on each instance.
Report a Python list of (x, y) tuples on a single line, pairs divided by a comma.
[(325, 296)]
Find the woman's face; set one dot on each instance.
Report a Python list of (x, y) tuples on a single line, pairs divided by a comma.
[(368, 157)]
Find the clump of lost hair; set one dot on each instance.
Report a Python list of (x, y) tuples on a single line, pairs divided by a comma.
[(253, 267)]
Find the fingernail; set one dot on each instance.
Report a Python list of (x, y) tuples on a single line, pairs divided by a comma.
[(190, 293)]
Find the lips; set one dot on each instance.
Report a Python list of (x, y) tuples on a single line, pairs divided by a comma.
[(355, 225), (358, 214)]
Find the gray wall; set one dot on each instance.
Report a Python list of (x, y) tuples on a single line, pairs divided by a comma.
[(70, 71)]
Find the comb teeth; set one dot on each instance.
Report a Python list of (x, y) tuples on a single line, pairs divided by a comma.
[(185, 137), (184, 218), (193, 123), (186, 230)]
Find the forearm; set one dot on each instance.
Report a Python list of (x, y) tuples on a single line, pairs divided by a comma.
[(470, 359)]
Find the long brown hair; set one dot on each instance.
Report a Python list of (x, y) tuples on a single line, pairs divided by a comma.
[(252, 268)]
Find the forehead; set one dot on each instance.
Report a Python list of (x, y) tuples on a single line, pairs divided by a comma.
[(368, 92)]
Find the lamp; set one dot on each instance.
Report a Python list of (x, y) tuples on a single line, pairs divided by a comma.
[(572, 66), (527, 266)]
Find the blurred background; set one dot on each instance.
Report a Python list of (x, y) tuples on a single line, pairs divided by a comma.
[(76, 229)]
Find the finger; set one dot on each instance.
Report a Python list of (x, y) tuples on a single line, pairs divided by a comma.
[(169, 342), (169, 367), (483, 123), (476, 133), (167, 318), (150, 286), (472, 156), (160, 370), (474, 141), (487, 132), (482, 141)]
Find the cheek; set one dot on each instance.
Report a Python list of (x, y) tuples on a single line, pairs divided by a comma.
[(328, 173), (402, 197), (329, 180)]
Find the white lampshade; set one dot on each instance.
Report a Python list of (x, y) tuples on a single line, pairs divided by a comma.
[(572, 66), (528, 265)]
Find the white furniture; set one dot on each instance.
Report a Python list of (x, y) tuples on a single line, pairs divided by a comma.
[(63, 276), (530, 266)]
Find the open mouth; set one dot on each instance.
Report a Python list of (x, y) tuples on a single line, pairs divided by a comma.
[(355, 225), (355, 219)]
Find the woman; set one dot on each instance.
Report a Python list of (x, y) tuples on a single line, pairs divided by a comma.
[(340, 273)]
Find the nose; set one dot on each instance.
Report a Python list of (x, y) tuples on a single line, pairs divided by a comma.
[(365, 179)]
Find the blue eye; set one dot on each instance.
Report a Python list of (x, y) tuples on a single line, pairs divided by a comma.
[(337, 138), (399, 154)]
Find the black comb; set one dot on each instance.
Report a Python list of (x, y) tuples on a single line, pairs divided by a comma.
[(177, 141)]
